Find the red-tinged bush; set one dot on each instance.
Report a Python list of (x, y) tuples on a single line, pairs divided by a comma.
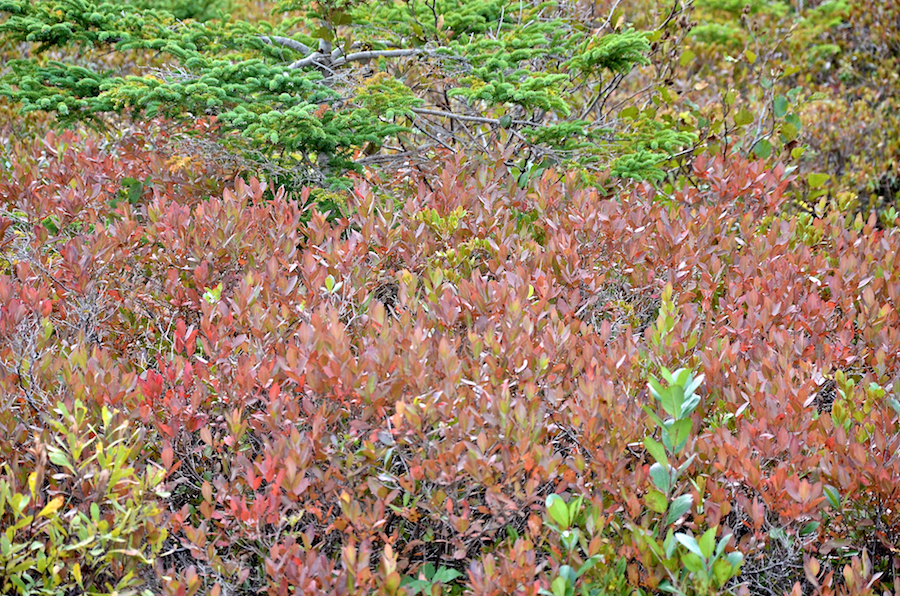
[(337, 402)]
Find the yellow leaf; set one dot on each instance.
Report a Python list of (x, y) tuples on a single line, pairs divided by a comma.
[(52, 507), (76, 572), (176, 163)]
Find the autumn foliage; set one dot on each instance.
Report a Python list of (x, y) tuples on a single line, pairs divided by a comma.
[(214, 387)]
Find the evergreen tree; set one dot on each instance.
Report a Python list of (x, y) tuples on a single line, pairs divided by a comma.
[(320, 87)]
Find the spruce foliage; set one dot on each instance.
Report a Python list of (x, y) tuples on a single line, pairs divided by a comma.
[(314, 84)]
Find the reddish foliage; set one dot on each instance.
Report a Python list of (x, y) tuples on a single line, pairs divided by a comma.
[(336, 403)]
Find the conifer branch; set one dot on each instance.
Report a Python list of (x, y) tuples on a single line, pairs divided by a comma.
[(541, 64)]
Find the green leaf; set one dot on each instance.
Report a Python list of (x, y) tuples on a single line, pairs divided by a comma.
[(677, 401), (631, 112), (575, 508), (667, 375), (445, 575), (59, 458), (779, 534), (684, 465), (895, 404), (723, 571), (52, 224), (505, 121), (653, 416), (679, 507), (649, 540), (323, 33), (666, 586), (666, 396), (684, 378), (780, 106), (743, 117), (762, 149), (809, 528), (789, 131), (135, 189), (707, 543), (558, 510), (735, 558), (558, 587), (669, 544), (428, 569), (656, 501), (817, 180), (660, 476), (690, 543), (656, 450), (692, 562), (342, 18), (723, 542), (213, 295), (568, 573), (588, 565), (679, 433)]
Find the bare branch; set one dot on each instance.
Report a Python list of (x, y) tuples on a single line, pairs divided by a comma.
[(333, 59), (287, 42), (311, 60), (481, 119), (377, 159), (433, 137), (368, 55)]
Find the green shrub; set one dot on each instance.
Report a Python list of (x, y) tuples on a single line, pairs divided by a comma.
[(87, 519)]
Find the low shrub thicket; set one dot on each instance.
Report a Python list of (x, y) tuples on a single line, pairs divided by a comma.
[(810, 83), (445, 390)]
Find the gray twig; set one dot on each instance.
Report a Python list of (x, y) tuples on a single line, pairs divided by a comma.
[(481, 119), (287, 42), (369, 54)]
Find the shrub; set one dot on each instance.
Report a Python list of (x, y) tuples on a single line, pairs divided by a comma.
[(484, 375), (337, 403), (76, 513)]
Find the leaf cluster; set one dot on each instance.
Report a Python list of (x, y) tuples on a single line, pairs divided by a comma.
[(336, 403)]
